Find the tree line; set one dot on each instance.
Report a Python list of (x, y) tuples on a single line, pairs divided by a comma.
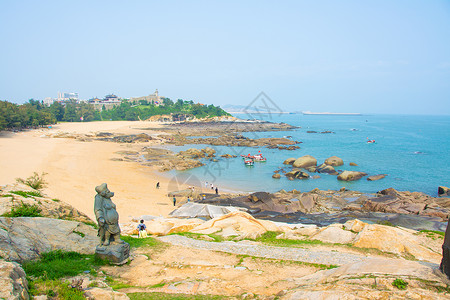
[(34, 113)]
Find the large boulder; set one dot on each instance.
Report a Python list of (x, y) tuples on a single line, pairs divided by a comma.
[(13, 282), (305, 161), (238, 223), (443, 191), (334, 234), (376, 177), (394, 240), (324, 168), (334, 161), (289, 161), (24, 238), (192, 153), (351, 175), (299, 174)]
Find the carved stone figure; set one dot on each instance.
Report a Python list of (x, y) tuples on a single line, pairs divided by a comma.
[(111, 247), (107, 216), (445, 262)]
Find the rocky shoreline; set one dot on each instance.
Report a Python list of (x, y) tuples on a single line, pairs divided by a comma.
[(409, 209)]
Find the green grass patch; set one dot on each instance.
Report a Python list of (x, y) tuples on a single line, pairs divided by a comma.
[(286, 262), (270, 238), (79, 233), (28, 194), (6, 195), (116, 284), (198, 236), (400, 284), (142, 242), (58, 264), (55, 289), (163, 296), (157, 285), (56, 200), (432, 232), (24, 210)]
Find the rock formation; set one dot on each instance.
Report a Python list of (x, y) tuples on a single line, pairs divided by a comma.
[(351, 175), (445, 262), (443, 191), (334, 161), (13, 282), (305, 161), (376, 177), (26, 238)]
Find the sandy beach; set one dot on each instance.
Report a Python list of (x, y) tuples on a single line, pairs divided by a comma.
[(74, 168)]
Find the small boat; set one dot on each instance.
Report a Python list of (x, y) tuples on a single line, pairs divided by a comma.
[(248, 162), (370, 141)]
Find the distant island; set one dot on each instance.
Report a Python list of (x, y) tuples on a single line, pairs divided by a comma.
[(330, 113)]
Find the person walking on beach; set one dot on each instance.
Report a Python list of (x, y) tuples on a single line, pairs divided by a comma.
[(174, 201), (206, 184), (217, 191), (188, 199), (157, 185), (212, 186), (204, 197), (142, 229)]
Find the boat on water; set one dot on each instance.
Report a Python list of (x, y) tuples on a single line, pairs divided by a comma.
[(249, 162), (370, 141), (330, 113), (258, 157)]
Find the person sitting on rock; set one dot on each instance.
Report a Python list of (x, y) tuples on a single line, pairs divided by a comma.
[(142, 229)]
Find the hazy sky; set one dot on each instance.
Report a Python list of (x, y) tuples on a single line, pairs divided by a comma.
[(341, 56)]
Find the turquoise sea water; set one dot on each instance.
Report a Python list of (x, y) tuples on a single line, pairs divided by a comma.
[(414, 152)]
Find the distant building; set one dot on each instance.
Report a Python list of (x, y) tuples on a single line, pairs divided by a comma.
[(108, 102), (48, 101), (154, 98), (63, 97), (111, 98)]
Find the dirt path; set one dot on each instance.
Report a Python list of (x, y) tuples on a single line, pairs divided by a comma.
[(325, 257)]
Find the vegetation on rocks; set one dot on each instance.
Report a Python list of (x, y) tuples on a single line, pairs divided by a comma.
[(35, 181), (27, 194), (46, 275), (400, 284), (57, 264), (24, 210)]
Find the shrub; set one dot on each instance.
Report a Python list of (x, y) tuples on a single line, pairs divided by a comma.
[(400, 284), (24, 210), (35, 181)]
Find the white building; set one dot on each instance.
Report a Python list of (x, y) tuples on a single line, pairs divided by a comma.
[(67, 96)]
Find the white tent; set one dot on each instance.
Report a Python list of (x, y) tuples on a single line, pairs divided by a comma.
[(208, 211)]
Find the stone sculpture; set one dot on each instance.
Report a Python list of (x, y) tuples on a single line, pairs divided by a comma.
[(111, 247), (445, 262)]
